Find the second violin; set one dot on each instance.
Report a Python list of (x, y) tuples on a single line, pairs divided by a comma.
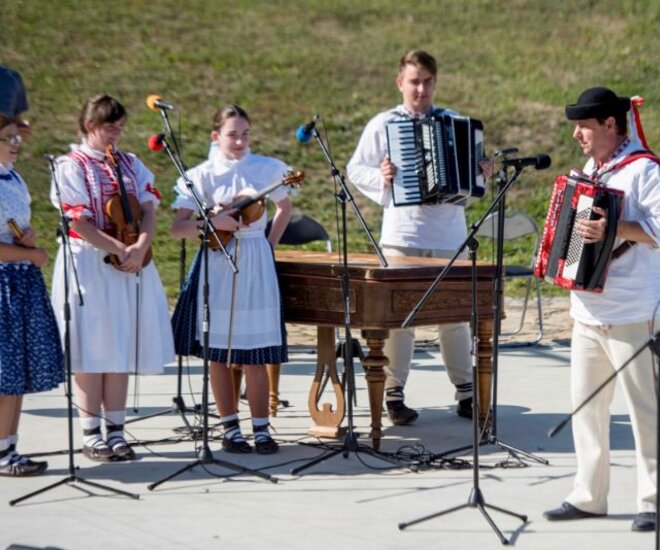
[(250, 206), (124, 212)]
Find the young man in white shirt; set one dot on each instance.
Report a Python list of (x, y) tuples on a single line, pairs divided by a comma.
[(428, 230)]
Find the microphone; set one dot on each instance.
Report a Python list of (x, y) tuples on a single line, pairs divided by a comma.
[(304, 133), (505, 152), (540, 162), (156, 103), (156, 142)]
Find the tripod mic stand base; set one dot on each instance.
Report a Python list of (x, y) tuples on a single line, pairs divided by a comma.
[(518, 454), (350, 445), (74, 479), (475, 500), (205, 457)]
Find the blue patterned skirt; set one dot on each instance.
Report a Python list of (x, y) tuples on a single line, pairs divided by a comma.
[(184, 327), (31, 358)]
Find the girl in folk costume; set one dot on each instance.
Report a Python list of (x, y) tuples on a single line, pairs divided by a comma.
[(30, 351), (122, 325), (246, 324)]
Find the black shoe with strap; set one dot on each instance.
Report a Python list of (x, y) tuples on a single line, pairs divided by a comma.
[(236, 446), (233, 440), (263, 442)]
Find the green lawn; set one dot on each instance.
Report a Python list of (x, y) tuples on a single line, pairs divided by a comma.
[(513, 64)]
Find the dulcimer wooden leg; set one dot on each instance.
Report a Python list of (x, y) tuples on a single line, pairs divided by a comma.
[(375, 376), (327, 419)]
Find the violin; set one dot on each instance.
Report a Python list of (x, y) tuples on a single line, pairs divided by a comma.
[(124, 212), (250, 207)]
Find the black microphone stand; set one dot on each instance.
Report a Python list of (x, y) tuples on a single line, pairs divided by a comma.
[(490, 435), (653, 343), (204, 455), (476, 498), (178, 404), (73, 477), (350, 443), (498, 297)]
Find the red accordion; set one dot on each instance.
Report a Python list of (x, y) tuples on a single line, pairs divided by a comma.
[(563, 258)]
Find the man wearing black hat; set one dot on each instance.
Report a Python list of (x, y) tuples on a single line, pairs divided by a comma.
[(610, 326)]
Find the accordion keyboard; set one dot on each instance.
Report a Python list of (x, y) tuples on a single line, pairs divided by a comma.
[(405, 155)]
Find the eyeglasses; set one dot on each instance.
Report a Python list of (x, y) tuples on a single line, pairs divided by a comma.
[(16, 139)]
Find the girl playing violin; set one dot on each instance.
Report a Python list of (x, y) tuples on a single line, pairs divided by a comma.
[(122, 326), (30, 349), (246, 325)]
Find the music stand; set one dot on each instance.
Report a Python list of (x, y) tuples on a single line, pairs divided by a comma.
[(204, 454), (72, 477), (350, 443), (476, 498)]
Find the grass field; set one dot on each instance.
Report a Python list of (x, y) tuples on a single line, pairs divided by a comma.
[(513, 64)]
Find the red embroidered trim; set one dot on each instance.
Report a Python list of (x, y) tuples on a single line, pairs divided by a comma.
[(75, 211), (151, 189)]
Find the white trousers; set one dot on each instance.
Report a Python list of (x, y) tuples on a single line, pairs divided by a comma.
[(454, 340), (595, 353)]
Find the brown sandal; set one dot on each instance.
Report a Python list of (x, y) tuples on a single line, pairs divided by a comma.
[(120, 448), (22, 466), (98, 451)]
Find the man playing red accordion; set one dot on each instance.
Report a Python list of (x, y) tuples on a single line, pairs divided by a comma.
[(609, 327)]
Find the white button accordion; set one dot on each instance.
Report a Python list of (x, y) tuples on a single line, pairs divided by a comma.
[(437, 159)]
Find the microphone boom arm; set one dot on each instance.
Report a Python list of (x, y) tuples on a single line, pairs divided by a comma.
[(473, 231), (208, 224), (338, 176)]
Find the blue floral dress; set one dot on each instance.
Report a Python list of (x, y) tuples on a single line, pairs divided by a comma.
[(31, 357)]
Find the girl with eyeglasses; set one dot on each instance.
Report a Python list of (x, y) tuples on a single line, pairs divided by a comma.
[(30, 350)]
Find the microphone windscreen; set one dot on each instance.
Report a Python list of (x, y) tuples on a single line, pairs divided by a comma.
[(302, 136), (155, 142), (151, 101), (543, 162)]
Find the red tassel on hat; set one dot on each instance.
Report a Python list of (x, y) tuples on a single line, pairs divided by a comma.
[(635, 122)]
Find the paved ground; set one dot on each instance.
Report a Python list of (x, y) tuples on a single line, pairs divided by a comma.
[(354, 502)]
